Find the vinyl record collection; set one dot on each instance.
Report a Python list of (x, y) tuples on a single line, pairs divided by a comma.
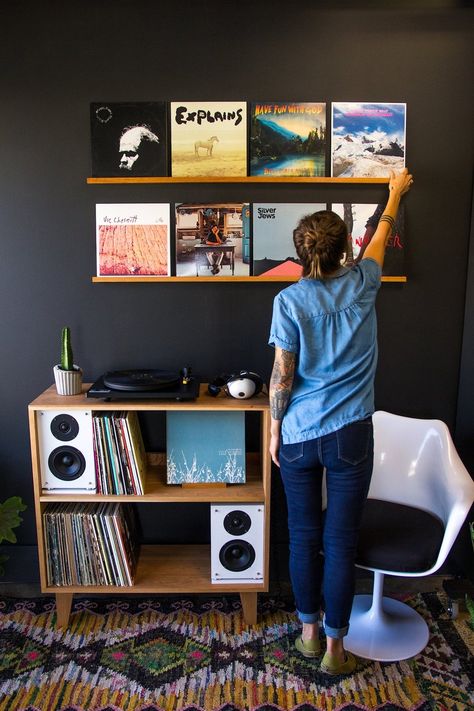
[(90, 544), (119, 452)]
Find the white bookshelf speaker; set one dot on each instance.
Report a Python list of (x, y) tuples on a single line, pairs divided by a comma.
[(66, 451), (237, 543)]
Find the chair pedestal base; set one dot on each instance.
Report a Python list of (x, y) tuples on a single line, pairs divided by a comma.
[(388, 632)]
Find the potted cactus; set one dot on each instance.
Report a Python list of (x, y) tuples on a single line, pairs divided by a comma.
[(67, 376)]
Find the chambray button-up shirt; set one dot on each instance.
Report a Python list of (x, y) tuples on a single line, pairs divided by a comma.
[(331, 326)]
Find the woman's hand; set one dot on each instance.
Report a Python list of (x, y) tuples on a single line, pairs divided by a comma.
[(400, 182), (275, 447), (281, 382)]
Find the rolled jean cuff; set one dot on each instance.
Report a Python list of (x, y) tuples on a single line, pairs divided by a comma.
[(309, 617), (335, 632)]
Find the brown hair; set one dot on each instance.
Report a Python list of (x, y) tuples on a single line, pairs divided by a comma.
[(320, 240)]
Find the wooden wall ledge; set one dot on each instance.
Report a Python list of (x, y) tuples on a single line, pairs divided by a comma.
[(231, 179)]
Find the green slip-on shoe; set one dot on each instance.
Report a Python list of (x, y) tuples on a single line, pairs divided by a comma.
[(330, 666), (309, 648)]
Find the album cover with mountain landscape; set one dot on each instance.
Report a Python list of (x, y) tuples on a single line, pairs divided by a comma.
[(367, 140), (288, 139)]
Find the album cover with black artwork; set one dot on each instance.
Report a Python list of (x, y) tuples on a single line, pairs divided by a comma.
[(129, 139), (361, 220)]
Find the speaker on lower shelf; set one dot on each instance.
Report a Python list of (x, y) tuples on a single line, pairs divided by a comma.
[(237, 543), (66, 451)]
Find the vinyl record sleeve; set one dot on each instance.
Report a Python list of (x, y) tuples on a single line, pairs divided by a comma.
[(199, 252), (288, 139), (205, 447), (129, 139), (367, 139), (274, 252), (133, 239), (208, 138), (361, 220)]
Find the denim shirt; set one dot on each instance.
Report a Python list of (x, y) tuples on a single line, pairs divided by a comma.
[(331, 325)]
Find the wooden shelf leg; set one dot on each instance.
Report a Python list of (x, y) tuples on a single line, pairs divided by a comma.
[(249, 606), (63, 608)]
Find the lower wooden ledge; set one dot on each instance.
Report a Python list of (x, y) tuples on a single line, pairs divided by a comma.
[(168, 569), (176, 279)]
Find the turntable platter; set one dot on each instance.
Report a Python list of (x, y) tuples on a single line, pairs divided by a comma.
[(140, 380)]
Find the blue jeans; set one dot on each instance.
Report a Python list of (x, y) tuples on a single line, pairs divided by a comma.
[(323, 548)]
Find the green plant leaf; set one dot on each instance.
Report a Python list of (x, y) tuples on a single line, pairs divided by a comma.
[(9, 518), (67, 358), (470, 608)]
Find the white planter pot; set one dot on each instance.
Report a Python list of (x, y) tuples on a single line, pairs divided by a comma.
[(68, 382)]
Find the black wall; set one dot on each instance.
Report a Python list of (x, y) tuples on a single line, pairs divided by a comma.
[(57, 57)]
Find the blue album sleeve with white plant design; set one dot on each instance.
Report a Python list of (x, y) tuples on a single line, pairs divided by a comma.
[(205, 447)]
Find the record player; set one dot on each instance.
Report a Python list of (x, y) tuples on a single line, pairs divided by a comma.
[(145, 385)]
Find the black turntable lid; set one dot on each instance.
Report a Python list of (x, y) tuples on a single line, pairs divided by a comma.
[(140, 380)]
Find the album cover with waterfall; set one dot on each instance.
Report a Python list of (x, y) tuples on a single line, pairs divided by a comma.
[(205, 447), (288, 139)]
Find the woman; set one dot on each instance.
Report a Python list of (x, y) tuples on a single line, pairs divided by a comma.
[(322, 399)]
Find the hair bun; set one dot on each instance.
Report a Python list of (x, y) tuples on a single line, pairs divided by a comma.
[(311, 239)]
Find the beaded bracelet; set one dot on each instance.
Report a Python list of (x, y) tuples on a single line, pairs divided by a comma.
[(387, 218)]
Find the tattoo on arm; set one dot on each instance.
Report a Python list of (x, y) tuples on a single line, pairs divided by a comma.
[(281, 382)]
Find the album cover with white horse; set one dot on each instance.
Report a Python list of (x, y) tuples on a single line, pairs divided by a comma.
[(288, 139), (208, 138), (361, 220), (129, 139)]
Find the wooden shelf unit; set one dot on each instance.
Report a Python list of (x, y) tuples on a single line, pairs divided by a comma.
[(162, 568)]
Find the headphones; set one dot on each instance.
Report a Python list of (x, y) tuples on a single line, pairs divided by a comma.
[(241, 385)]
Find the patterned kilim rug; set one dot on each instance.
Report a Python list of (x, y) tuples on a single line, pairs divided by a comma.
[(191, 654)]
